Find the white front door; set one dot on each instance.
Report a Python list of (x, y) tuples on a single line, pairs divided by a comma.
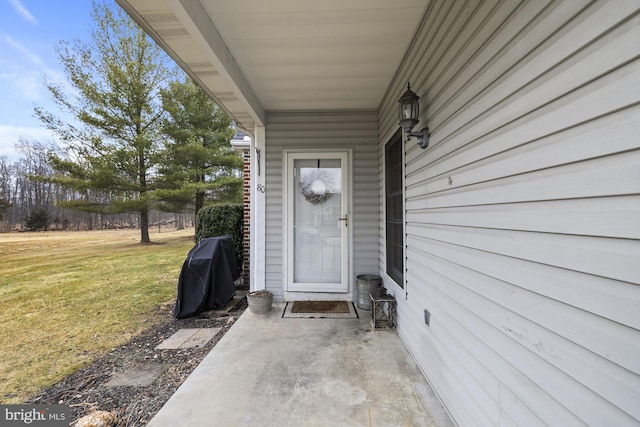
[(317, 222)]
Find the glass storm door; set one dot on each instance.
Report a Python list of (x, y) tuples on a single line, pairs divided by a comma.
[(317, 222)]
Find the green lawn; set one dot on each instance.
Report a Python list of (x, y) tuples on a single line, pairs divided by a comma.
[(68, 297)]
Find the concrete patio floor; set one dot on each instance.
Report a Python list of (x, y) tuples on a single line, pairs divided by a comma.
[(272, 371)]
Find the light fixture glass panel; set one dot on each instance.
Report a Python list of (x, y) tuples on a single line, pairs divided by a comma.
[(407, 111)]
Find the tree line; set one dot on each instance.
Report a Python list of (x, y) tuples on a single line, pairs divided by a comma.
[(29, 204), (138, 137)]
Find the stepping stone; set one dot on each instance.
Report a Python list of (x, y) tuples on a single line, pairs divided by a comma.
[(138, 376), (188, 338)]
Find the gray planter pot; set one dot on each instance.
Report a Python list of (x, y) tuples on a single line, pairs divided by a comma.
[(260, 301)]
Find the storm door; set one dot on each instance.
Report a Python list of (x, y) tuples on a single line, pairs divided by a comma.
[(317, 222)]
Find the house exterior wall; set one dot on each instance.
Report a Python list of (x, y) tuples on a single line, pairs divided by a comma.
[(357, 131), (522, 217)]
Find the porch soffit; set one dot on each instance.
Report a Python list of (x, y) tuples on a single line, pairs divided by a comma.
[(254, 56)]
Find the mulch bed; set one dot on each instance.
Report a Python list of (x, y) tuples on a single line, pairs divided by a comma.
[(85, 390)]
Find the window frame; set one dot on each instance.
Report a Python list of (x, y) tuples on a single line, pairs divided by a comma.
[(400, 282)]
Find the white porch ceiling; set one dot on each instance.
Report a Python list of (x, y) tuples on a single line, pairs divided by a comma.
[(255, 56)]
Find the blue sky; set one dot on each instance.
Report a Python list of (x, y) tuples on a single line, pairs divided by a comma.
[(29, 30)]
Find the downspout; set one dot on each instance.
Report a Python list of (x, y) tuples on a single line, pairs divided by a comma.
[(258, 211), (243, 146)]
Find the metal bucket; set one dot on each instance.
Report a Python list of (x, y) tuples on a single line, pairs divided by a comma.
[(367, 284)]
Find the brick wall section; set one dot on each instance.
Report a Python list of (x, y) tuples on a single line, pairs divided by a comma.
[(246, 196)]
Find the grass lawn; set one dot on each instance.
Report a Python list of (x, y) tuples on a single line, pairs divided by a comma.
[(67, 297)]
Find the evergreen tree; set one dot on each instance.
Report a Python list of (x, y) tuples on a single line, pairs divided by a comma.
[(37, 219), (198, 161), (4, 207), (115, 104)]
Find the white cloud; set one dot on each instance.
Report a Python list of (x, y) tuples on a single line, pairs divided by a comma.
[(31, 56), (27, 75), (27, 83), (23, 11)]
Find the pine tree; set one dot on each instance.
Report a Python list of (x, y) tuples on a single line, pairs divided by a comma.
[(37, 219), (113, 136), (198, 161)]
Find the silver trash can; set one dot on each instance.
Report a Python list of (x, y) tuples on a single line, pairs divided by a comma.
[(367, 284)]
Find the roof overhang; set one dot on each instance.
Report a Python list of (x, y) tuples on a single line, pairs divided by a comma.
[(256, 56)]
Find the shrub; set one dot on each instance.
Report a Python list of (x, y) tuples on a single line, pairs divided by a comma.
[(37, 219), (220, 220), (4, 208)]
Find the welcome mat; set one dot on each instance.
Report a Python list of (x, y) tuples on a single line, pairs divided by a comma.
[(320, 309)]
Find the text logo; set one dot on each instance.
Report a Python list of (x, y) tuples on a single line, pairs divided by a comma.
[(34, 415)]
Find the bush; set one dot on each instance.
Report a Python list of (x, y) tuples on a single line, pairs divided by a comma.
[(37, 219), (4, 208), (220, 220)]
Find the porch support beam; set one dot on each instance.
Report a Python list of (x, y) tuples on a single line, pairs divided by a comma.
[(195, 18), (258, 210)]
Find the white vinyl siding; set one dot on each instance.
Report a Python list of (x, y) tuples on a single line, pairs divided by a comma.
[(335, 131), (522, 216)]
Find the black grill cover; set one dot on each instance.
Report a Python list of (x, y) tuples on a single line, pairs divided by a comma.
[(207, 277)]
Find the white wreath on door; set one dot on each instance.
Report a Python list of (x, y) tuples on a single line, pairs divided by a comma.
[(315, 186)]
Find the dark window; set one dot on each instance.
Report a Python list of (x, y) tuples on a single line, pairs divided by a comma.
[(394, 215)]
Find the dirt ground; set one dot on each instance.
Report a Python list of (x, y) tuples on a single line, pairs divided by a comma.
[(85, 390)]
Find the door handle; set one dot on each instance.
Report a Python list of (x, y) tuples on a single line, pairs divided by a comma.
[(345, 219)]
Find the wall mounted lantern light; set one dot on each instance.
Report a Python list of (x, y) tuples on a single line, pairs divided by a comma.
[(408, 114)]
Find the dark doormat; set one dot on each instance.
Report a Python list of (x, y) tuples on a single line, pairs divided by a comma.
[(320, 309)]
